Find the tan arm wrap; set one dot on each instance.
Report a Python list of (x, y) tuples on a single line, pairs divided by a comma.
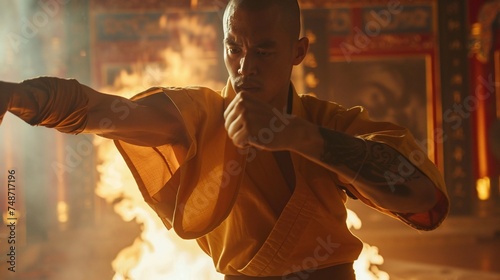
[(52, 102)]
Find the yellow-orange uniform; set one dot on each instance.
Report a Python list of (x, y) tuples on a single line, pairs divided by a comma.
[(237, 204)]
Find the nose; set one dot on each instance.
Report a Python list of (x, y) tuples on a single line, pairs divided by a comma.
[(247, 66)]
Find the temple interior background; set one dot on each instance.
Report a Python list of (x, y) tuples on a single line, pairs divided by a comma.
[(432, 66)]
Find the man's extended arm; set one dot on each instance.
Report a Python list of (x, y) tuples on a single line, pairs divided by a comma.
[(378, 171), (74, 108)]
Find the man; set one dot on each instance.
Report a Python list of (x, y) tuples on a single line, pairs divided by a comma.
[(256, 173)]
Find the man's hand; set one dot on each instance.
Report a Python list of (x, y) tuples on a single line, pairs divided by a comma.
[(248, 121), (251, 122), (5, 97)]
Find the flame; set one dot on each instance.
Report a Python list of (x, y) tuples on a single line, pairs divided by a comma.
[(366, 264), (158, 253)]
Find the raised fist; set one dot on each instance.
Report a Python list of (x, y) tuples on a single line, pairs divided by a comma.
[(5, 96)]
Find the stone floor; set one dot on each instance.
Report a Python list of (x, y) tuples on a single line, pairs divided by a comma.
[(406, 270), (462, 248), (81, 254)]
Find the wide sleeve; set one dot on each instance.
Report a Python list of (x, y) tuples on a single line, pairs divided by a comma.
[(52, 102), (402, 140), (355, 122), (192, 188)]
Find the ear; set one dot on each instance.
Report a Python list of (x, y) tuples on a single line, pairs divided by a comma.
[(301, 48)]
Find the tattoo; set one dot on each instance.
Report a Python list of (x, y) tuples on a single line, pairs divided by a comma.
[(383, 167), (375, 162), (342, 149)]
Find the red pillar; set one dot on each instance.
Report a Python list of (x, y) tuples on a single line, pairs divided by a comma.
[(482, 101)]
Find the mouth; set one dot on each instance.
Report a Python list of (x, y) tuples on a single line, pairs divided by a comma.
[(247, 89), (244, 87)]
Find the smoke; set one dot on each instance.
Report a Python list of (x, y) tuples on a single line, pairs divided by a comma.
[(31, 44)]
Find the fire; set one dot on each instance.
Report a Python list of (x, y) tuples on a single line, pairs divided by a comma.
[(158, 253), (366, 264)]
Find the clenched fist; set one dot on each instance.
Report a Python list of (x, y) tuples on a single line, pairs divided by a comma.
[(5, 97), (251, 122)]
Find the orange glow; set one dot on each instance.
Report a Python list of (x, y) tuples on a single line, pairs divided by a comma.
[(194, 4), (483, 188), (431, 147), (482, 140), (62, 205), (497, 79), (62, 212)]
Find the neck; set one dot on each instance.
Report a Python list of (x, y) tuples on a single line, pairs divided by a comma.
[(283, 102)]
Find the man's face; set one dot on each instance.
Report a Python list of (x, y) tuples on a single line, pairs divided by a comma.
[(259, 54)]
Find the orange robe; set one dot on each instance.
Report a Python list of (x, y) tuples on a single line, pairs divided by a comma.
[(236, 203)]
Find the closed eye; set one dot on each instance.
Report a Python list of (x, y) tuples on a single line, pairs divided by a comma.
[(264, 52)]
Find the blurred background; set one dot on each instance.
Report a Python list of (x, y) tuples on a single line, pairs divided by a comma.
[(432, 66)]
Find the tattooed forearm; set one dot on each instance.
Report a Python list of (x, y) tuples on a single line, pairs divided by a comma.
[(378, 164), (388, 169), (342, 149)]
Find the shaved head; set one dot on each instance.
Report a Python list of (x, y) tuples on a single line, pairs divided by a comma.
[(261, 47), (289, 14)]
